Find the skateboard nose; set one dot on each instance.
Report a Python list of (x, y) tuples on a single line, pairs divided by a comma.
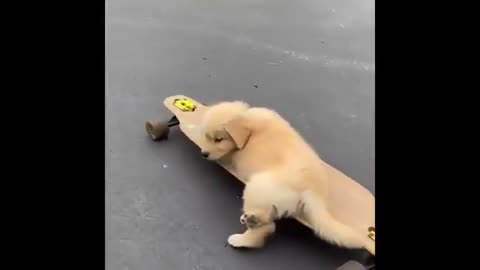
[(205, 154)]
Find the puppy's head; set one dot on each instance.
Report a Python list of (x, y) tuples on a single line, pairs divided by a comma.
[(225, 129)]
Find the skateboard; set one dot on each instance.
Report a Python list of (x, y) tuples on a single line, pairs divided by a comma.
[(187, 114)]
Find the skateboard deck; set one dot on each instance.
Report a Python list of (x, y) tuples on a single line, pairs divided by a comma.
[(352, 204)]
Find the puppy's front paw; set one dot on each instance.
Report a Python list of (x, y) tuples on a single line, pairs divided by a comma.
[(236, 240), (245, 241)]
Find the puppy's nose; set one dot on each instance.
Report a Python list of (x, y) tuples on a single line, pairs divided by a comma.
[(205, 154)]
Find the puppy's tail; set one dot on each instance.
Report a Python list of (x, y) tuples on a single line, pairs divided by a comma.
[(328, 228)]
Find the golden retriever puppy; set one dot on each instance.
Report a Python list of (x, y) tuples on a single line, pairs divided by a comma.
[(283, 174)]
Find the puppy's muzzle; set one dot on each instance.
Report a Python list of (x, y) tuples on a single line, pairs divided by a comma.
[(205, 154)]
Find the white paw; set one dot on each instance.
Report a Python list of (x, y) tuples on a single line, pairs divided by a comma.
[(236, 240)]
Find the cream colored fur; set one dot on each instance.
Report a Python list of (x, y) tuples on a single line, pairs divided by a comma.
[(284, 176)]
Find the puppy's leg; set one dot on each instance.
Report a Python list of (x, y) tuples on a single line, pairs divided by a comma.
[(252, 237), (259, 215), (255, 220), (260, 224)]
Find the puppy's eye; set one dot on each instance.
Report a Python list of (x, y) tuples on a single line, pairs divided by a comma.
[(217, 140)]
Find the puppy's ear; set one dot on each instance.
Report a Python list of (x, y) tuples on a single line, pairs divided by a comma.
[(237, 129)]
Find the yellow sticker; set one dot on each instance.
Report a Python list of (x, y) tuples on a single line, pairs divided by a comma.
[(371, 233), (184, 104)]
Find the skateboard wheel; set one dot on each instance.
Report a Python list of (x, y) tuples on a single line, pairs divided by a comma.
[(157, 130), (352, 265)]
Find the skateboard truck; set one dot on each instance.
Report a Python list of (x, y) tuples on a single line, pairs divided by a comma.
[(369, 259), (159, 130)]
